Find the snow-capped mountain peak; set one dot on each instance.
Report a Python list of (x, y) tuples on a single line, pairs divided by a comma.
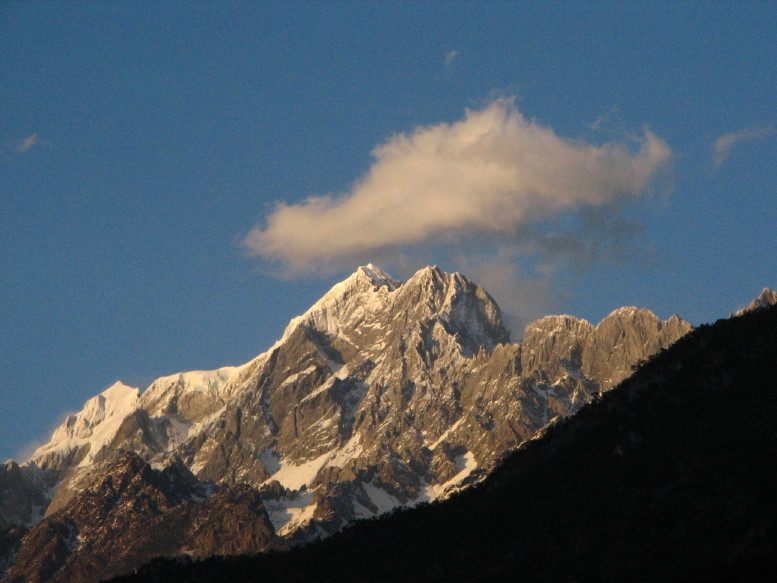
[(378, 277), (381, 394), (367, 290), (82, 435)]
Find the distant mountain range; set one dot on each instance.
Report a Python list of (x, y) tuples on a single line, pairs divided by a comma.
[(382, 395)]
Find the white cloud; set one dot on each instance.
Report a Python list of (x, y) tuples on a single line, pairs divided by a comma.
[(494, 195), (494, 172), (722, 147)]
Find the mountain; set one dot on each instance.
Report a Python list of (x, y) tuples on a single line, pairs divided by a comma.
[(383, 394), (669, 477), (767, 298)]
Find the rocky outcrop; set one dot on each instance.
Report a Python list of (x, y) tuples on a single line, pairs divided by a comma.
[(623, 339), (22, 493), (133, 513)]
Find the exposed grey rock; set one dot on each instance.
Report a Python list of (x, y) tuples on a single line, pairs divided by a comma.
[(623, 339), (76, 481)]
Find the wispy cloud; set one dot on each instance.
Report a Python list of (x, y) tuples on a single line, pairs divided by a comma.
[(722, 147), (30, 142), (450, 56), (27, 143), (493, 182)]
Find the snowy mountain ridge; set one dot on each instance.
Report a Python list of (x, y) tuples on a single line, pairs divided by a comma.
[(382, 394), (184, 404), (93, 427)]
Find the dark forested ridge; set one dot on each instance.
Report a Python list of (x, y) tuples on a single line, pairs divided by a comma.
[(671, 476)]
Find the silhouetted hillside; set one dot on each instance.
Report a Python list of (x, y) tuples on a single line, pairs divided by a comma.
[(671, 476)]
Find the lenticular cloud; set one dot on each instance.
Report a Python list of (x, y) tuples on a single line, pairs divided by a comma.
[(492, 173)]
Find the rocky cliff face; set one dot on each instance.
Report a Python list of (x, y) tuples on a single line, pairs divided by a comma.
[(131, 513), (382, 394)]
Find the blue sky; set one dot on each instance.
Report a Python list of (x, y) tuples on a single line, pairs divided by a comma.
[(144, 148)]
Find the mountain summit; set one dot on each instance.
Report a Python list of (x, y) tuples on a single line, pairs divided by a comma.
[(768, 297), (382, 394)]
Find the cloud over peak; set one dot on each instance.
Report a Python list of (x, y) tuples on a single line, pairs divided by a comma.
[(492, 174)]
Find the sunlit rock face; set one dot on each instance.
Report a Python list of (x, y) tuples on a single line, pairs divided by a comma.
[(382, 394), (767, 298)]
